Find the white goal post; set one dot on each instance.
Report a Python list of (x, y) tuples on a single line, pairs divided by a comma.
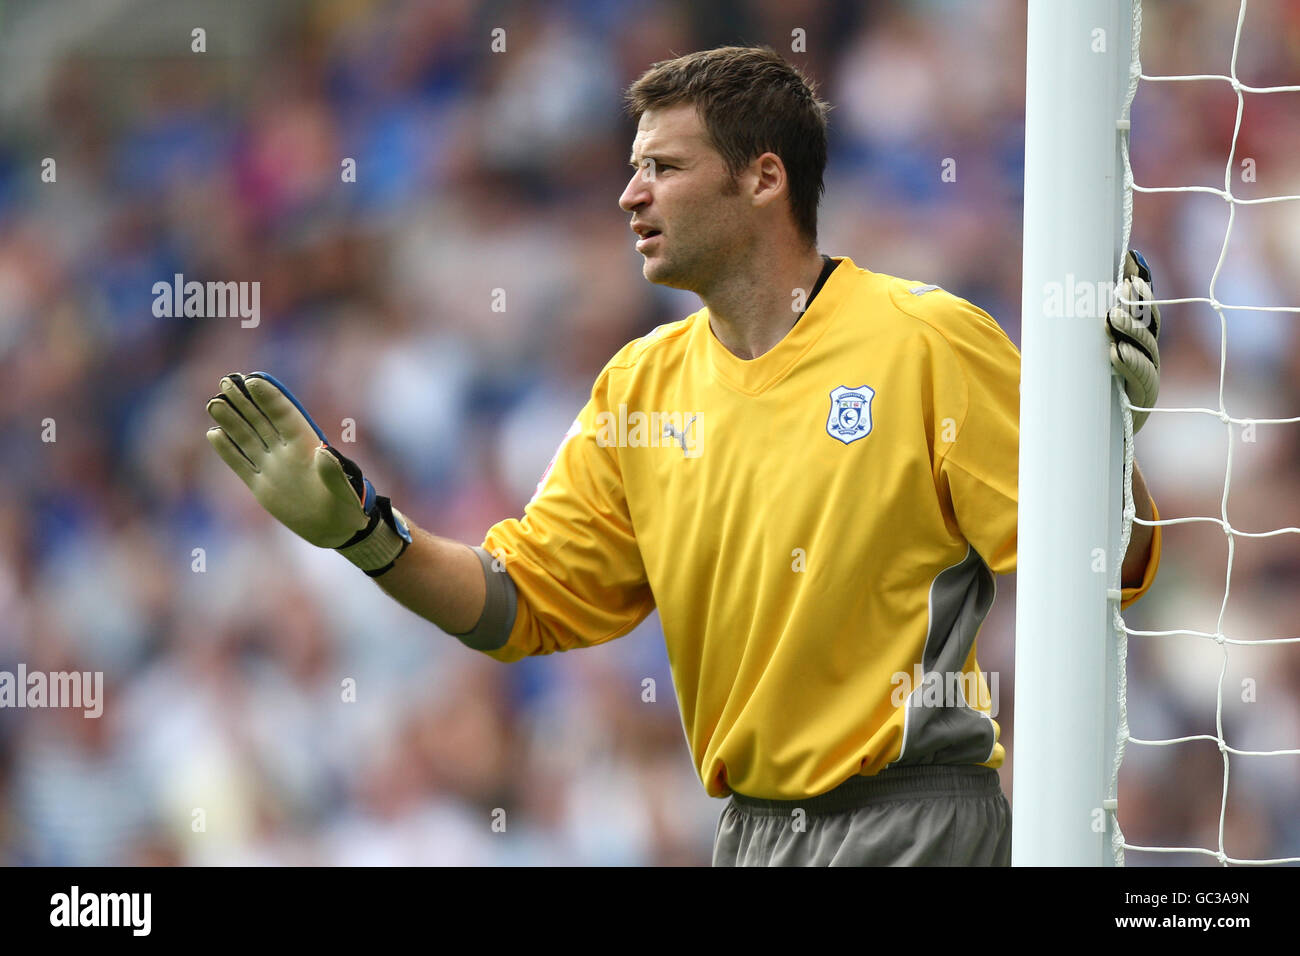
[(1072, 460)]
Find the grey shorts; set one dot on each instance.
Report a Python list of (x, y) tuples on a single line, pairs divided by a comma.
[(929, 815)]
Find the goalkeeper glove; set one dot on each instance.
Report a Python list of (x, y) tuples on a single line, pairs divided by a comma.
[(269, 441), (1134, 329)]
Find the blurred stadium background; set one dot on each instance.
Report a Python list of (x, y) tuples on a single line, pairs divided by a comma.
[(479, 171)]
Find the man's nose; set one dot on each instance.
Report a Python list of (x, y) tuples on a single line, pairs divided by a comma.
[(637, 193)]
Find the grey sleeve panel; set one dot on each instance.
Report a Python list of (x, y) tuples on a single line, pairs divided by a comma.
[(498, 617)]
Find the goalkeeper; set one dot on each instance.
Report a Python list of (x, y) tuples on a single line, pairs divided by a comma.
[(828, 491)]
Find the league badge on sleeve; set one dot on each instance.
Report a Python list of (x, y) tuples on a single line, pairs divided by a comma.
[(850, 417)]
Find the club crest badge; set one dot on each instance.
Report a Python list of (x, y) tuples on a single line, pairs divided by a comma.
[(850, 417)]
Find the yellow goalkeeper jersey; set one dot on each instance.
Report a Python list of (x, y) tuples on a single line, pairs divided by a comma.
[(818, 527)]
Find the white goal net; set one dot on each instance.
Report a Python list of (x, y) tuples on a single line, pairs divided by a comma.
[(1213, 680)]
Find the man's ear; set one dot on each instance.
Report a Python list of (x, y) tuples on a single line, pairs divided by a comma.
[(768, 177)]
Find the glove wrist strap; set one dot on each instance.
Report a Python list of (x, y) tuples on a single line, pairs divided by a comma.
[(377, 546)]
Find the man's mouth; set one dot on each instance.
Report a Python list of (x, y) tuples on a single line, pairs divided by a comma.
[(645, 240)]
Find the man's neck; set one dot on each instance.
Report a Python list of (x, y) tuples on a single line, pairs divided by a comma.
[(751, 311)]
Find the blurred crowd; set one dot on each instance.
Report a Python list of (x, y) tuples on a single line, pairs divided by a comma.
[(263, 702)]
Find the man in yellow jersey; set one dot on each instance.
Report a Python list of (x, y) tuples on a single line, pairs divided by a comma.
[(813, 478)]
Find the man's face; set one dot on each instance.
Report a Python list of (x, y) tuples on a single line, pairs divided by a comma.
[(689, 215)]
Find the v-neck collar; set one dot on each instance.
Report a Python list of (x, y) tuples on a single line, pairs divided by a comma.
[(753, 376)]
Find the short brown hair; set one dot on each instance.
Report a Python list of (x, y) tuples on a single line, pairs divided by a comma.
[(751, 102)]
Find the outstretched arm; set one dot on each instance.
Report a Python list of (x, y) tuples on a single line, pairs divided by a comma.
[(440, 580), (267, 438)]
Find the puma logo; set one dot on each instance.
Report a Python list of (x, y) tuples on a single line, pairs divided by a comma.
[(679, 437)]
